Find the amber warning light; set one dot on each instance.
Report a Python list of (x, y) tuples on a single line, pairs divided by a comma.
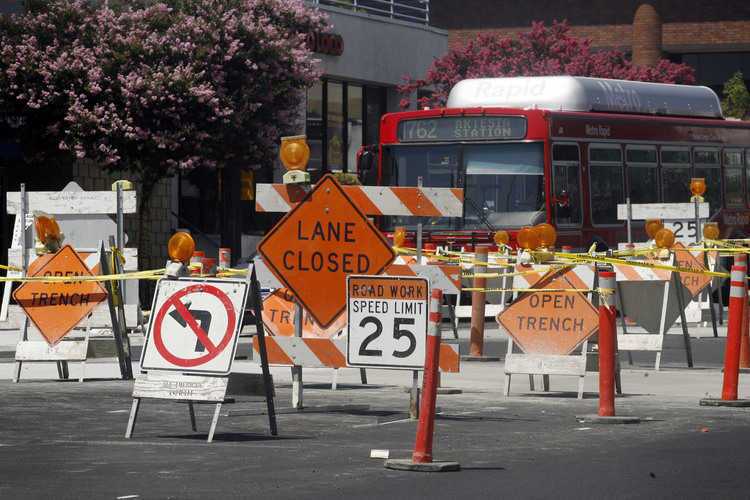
[(294, 154)]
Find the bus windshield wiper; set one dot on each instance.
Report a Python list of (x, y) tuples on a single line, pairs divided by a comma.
[(480, 213)]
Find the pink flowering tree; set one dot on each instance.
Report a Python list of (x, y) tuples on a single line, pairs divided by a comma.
[(544, 50), (151, 88)]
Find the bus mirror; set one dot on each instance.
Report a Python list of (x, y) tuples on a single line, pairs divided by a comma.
[(366, 165)]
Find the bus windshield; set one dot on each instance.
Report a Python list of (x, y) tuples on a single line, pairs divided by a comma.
[(503, 183)]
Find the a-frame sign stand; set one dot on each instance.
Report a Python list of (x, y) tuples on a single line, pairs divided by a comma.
[(201, 388)]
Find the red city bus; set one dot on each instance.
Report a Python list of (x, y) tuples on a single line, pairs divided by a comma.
[(565, 150)]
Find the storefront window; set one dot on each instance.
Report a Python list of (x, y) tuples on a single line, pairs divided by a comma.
[(354, 124), (335, 126), (315, 126), (341, 117), (374, 108)]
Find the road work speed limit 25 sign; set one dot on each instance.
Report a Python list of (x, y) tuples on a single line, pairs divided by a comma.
[(194, 326), (387, 321)]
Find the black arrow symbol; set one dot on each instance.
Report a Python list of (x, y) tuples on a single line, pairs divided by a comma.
[(201, 316)]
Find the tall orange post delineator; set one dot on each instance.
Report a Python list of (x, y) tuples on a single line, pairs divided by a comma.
[(426, 426), (421, 459), (741, 260), (476, 343), (607, 333), (737, 300)]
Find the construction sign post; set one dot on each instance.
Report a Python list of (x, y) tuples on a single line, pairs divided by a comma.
[(195, 326), (322, 240), (57, 307), (387, 321)]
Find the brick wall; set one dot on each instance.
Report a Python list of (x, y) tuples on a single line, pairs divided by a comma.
[(153, 253), (700, 36)]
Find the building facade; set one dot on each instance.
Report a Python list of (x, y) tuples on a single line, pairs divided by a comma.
[(363, 57), (711, 36), (369, 47)]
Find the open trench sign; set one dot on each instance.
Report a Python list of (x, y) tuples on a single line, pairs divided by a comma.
[(57, 307), (694, 282), (195, 325), (550, 322)]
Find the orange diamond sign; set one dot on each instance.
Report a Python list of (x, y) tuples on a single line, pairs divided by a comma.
[(695, 283), (551, 322), (278, 316), (321, 241), (55, 308)]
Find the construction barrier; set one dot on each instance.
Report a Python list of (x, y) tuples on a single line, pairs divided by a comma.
[(331, 353)]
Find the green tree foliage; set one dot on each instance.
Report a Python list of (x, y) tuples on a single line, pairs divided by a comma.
[(736, 103)]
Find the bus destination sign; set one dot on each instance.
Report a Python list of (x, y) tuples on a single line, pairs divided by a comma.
[(463, 128)]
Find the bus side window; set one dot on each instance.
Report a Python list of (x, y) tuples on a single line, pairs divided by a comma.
[(643, 183), (675, 175), (733, 178), (606, 182), (708, 165), (566, 184)]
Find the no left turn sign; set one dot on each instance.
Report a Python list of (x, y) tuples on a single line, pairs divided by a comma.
[(194, 326)]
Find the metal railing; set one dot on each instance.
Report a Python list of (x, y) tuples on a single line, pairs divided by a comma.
[(415, 11)]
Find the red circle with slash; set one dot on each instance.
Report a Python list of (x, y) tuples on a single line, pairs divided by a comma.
[(213, 349)]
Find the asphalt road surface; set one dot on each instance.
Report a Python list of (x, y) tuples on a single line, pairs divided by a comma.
[(65, 440)]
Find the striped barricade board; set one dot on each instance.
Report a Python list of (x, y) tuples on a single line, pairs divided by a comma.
[(372, 200), (648, 297), (331, 353)]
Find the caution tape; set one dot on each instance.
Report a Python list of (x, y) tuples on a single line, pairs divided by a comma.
[(601, 291), (509, 275), (461, 259), (635, 263), (153, 274)]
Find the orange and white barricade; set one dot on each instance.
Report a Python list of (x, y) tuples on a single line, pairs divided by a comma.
[(331, 353)]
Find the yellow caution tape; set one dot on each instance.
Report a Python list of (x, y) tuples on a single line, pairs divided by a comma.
[(600, 291), (153, 274), (636, 263)]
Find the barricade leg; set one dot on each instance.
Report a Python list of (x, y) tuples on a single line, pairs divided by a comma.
[(607, 343), (191, 409), (737, 305), (421, 460)]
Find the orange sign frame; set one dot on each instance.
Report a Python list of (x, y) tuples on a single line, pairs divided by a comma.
[(322, 240), (550, 322), (693, 282), (278, 316)]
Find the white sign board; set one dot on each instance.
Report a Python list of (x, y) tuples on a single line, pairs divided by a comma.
[(684, 230), (387, 321), (643, 211), (194, 325)]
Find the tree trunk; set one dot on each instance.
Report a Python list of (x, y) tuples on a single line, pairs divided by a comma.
[(147, 189)]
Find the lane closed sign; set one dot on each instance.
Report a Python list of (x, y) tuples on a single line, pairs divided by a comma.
[(387, 321)]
